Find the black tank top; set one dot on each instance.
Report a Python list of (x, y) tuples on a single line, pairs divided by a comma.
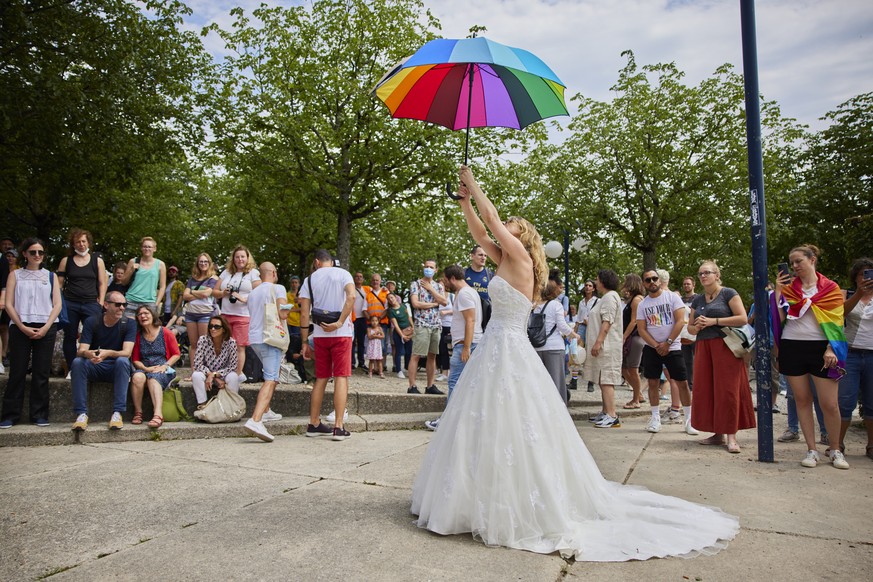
[(81, 283)]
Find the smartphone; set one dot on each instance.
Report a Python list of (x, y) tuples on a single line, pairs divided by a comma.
[(783, 268), (868, 274)]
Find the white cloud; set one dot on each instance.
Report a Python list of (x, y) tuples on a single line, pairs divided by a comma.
[(813, 54)]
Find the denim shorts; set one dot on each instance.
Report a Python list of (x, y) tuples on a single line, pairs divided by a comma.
[(197, 317), (271, 359)]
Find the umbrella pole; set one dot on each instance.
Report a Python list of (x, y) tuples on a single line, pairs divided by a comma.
[(469, 106)]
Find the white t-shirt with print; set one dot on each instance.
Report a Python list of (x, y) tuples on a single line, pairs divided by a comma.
[(257, 300), (329, 288), (241, 282), (658, 313), (466, 299)]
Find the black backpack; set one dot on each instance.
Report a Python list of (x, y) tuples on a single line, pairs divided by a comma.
[(486, 311), (536, 327)]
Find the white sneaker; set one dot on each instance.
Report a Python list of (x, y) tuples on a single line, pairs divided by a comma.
[(69, 374), (401, 374), (432, 424), (257, 429), (331, 418), (839, 460), (811, 460), (671, 415), (2, 369), (654, 424), (441, 378), (243, 378), (270, 416), (690, 429)]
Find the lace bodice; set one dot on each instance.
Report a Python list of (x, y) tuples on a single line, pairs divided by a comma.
[(509, 307)]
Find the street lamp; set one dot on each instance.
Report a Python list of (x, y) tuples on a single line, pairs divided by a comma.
[(553, 249)]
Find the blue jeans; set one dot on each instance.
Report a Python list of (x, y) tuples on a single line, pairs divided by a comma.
[(793, 425), (115, 370), (271, 359), (401, 349), (456, 366), (858, 381), (77, 312)]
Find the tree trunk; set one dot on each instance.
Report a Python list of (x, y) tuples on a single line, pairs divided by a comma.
[(650, 259), (344, 240)]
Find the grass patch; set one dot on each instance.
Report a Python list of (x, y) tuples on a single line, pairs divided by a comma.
[(155, 436)]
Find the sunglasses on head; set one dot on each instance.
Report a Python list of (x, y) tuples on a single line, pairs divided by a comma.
[(650, 279), (213, 326), (35, 253)]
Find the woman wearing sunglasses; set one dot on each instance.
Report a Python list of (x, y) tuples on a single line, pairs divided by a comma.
[(155, 351), (33, 301), (215, 360), (812, 346)]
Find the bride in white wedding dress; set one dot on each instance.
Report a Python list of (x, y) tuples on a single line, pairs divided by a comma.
[(507, 463)]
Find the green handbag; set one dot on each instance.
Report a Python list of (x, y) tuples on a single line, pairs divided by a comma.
[(174, 410)]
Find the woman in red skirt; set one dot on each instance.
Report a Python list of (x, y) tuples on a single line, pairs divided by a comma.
[(722, 401)]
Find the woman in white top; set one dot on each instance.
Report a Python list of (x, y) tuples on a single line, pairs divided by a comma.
[(604, 344), (552, 352), (33, 301), (237, 280), (858, 380)]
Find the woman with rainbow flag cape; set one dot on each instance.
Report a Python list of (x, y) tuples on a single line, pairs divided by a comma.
[(812, 345)]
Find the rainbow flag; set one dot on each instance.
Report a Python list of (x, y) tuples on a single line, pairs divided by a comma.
[(827, 307)]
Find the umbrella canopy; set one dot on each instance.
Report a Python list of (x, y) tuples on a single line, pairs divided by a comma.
[(472, 82)]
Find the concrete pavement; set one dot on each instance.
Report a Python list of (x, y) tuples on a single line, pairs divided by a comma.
[(314, 509)]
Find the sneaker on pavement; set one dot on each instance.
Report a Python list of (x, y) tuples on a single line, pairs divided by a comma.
[(257, 429), (81, 422), (441, 378), (654, 424), (597, 417), (671, 415), (270, 416), (413, 390), (839, 460), (340, 434), (318, 431), (811, 460), (690, 429), (115, 423), (432, 424), (788, 436), (432, 389), (608, 422), (775, 409), (6, 424), (331, 418), (401, 374), (41, 422)]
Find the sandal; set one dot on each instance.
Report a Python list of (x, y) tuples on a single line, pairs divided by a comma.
[(631, 405), (733, 447), (156, 421), (137, 418), (713, 440)]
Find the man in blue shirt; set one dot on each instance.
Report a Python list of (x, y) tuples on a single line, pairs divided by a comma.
[(476, 275)]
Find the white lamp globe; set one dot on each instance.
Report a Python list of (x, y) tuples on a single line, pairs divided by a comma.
[(553, 249), (580, 244)]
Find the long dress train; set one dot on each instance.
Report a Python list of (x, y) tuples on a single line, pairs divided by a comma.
[(508, 465)]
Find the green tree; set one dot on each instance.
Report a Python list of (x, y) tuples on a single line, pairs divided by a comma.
[(97, 110), (294, 112)]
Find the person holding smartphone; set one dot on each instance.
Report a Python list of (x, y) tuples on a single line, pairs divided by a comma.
[(812, 346), (858, 380)]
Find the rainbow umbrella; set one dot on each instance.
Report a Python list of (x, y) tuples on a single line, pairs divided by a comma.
[(472, 82)]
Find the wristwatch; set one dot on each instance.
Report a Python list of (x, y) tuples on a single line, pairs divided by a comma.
[(669, 341)]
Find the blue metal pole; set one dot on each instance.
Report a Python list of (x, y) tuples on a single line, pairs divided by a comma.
[(759, 231)]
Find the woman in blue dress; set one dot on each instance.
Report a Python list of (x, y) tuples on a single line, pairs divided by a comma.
[(155, 351)]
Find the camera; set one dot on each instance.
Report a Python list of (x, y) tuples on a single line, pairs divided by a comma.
[(230, 291)]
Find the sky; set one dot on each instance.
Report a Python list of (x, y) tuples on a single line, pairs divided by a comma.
[(810, 52)]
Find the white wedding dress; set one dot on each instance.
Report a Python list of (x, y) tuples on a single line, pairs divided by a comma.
[(508, 465)]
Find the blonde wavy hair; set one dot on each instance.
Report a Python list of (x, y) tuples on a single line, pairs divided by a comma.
[(250, 264), (209, 271), (533, 244)]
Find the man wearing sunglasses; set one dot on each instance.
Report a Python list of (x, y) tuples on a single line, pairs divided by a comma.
[(660, 318), (104, 356)]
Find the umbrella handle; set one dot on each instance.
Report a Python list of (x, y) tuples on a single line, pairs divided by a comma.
[(451, 192)]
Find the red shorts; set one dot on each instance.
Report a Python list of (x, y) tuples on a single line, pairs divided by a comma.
[(333, 357), (239, 329)]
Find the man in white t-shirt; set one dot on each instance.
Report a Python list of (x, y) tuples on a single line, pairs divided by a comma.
[(660, 318), (466, 326), (330, 291), (269, 291)]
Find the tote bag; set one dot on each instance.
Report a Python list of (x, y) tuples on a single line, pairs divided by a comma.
[(275, 327)]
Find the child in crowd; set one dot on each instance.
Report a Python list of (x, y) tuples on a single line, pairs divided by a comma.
[(374, 346)]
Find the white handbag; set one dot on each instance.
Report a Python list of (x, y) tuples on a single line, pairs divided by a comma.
[(226, 406), (275, 327)]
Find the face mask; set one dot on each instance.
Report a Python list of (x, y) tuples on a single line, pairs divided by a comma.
[(81, 253), (428, 272)]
